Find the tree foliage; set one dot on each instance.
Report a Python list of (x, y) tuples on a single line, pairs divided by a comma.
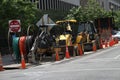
[(117, 19), (92, 11), (89, 12), (23, 10)]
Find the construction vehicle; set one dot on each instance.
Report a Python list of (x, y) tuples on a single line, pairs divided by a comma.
[(47, 41), (82, 35), (66, 38), (44, 41), (92, 35), (43, 45), (87, 36)]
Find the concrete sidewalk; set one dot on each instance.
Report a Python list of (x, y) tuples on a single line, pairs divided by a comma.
[(9, 63), (7, 60)]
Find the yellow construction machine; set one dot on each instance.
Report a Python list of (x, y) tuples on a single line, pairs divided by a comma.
[(87, 36), (65, 39)]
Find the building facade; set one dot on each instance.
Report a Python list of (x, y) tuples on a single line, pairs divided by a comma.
[(68, 4), (110, 4), (106, 4), (63, 5), (74, 2), (83, 2)]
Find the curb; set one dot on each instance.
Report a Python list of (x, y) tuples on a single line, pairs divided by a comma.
[(15, 66)]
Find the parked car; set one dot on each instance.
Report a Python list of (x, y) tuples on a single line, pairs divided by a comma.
[(114, 32), (117, 35)]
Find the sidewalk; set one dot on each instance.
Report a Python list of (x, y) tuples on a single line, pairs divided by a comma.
[(9, 63), (7, 60)]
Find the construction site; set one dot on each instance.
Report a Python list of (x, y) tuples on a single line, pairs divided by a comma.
[(56, 41)]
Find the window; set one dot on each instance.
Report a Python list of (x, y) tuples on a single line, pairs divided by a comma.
[(40, 4), (103, 4)]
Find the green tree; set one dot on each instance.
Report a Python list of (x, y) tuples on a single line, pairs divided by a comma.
[(89, 12), (117, 19), (55, 15), (23, 10)]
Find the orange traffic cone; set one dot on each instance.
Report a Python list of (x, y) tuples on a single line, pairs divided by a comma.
[(1, 66), (94, 47), (80, 50), (57, 55), (23, 66), (67, 55), (117, 41), (110, 43), (101, 44), (106, 44)]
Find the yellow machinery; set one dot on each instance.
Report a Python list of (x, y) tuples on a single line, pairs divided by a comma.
[(65, 39), (48, 43), (87, 36)]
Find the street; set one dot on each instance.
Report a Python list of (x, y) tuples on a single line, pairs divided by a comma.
[(103, 64)]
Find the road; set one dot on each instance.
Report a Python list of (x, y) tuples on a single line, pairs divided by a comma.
[(100, 65)]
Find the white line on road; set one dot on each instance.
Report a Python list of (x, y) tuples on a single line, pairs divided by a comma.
[(117, 57)]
